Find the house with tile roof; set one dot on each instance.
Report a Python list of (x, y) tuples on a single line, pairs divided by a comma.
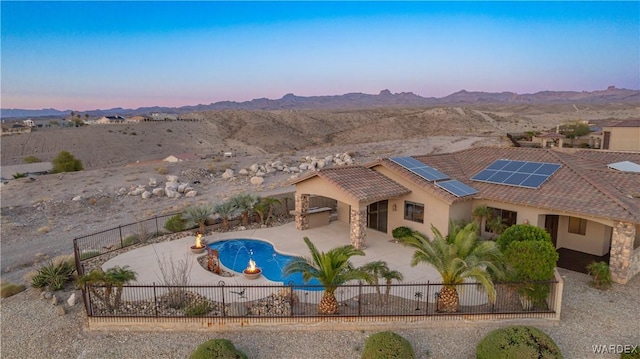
[(618, 135), (591, 210)]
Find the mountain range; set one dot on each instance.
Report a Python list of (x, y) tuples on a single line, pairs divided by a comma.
[(361, 100)]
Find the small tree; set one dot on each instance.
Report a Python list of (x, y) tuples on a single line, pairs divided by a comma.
[(114, 277), (226, 211), (380, 270), (198, 216), (574, 130), (244, 203), (264, 208), (65, 162), (531, 262), (522, 232)]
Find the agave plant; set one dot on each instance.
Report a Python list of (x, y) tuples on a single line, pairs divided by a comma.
[(456, 259), (331, 269)]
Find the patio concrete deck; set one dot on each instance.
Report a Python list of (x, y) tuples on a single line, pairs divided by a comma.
[(286, 239)]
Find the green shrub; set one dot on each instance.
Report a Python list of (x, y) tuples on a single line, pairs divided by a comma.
[(20, 175), (385, 345), (89, 254), (634, 353), (130, 240), (520, 233), (55, 274), (31, 159), (401, 232), (8, 289), (219, 349), (601, 275), (197, 309), (518, 342), (529, 262), (65, 162), (175, 224)]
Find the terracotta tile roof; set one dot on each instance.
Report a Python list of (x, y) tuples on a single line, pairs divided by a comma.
[(582, 185), (359, 182)]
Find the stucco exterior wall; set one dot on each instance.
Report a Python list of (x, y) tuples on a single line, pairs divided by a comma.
[(317, 186), (596, 239), (343, 212), (624, 138)]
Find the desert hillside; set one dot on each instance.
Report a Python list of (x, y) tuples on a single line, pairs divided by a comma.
[(258, 132)]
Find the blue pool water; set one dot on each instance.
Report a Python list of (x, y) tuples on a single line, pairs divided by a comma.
[(235, 255)]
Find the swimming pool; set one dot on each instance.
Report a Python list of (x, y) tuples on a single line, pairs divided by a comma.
[(235, 255)]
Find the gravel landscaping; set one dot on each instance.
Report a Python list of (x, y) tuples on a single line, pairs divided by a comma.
[(34, 328)]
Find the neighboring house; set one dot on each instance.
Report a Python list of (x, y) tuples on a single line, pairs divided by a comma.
[(588, 208), (619, 135), (11, 128), (109, 120), (135, 119), (164, 117), (31, 169), (181, 157), (29, 123)]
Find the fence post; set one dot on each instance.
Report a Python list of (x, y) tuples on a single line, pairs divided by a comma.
[(157, 229), (291, 298), (155, 299), (359, 298), (224, 306), (426, 311), (120, 230)]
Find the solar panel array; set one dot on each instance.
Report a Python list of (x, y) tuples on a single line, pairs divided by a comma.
[(431, 174), (427, 172), (456, 188), (517, 173)]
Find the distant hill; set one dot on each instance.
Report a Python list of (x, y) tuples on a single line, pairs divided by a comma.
[(360, 101)]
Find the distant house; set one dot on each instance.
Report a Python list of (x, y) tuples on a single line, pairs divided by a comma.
[(11, 128), (29, 123), (110, 120), (181, 157), (587, 200), (164, 117), (135, 119), (619, 135)]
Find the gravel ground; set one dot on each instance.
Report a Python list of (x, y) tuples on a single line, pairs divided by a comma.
[(31, 328)]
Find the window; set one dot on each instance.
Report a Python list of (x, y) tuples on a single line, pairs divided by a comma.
[(509, 218), (577, 225), (414, 212)]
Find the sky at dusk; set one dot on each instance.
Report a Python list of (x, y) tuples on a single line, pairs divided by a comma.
[(99, 55)]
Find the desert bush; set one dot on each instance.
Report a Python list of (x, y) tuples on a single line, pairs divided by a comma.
[(175, 224), (65, 162), (31, 159), (521, 232), (130, 240), (387, 345), (401, 232), (55, 274), (8, 289), (633, 353), (197, 309), (162, 170), (219, 349), (600, 274), (44, 229), (517, 342), (20, 175), (176, 275)]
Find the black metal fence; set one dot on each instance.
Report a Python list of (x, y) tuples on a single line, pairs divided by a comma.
[(275, 302)]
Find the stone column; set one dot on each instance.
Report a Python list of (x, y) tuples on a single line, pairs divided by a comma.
[(358, 228), (302, 209), (621, 250)]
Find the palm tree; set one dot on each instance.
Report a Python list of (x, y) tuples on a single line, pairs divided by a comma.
[(244, 202), (264, 208), (226, 211), (331, 269), (496, 225), (198, 215), (481, 214), (380, 270), (113, 277), (457, 259)]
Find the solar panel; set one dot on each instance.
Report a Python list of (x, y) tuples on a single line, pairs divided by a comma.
[(517, 173), (456, 188), (427, 172)]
